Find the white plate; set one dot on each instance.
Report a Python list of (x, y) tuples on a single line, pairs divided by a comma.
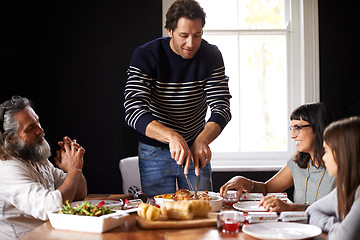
[(281, 230), (109, 203), (249, 206)]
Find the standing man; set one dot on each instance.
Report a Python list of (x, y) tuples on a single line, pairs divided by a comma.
[(171, 83), (29, 184)]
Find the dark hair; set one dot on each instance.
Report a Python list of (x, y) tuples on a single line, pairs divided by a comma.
[(319, 116), (343, 137), (189, 9)]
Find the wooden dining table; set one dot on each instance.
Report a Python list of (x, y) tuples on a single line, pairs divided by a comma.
[(130, 230)]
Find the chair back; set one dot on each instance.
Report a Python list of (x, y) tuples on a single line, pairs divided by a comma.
[(129, 168)]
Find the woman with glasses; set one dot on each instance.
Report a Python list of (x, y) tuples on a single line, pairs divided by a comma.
[(305, 170), (339, 212)]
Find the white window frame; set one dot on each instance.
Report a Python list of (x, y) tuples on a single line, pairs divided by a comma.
[(303, 85)]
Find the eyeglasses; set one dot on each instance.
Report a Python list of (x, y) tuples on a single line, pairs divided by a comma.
[(6, 106), (297, 128)]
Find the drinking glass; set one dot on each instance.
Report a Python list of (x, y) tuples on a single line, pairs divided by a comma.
[(230, 198), (230, 221)]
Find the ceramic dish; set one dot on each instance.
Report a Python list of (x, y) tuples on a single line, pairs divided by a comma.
[(216, 204), (87, 223)]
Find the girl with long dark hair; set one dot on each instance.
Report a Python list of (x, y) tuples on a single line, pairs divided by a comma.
[(339, 212)]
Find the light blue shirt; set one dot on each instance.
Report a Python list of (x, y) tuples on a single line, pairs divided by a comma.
[(327, 183)]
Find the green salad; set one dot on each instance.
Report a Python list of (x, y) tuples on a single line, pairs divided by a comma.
[(86, 209)]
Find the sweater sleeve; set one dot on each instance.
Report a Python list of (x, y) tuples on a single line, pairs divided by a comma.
[(218, 97), (349, 228), (323, 214), (217, 88), (137, 93)]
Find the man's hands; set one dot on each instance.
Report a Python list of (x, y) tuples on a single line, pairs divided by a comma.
[(70, 155), (179, 149), (201, 153), (181, 153), (70, 159)]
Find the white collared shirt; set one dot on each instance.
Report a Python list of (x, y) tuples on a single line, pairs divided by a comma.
[(27, 192)]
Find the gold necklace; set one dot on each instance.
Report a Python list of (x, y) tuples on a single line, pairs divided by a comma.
[(307, 178)]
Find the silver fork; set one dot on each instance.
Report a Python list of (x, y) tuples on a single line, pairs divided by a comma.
[(188, 180)]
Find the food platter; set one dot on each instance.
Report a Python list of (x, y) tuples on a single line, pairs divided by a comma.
[(215, 201), (281, 230), (184, 194), (180, 210)]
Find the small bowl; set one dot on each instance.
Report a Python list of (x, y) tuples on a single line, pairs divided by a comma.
[(216, 204)]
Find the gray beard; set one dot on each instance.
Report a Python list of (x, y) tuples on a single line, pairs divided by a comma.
[(35, 152)]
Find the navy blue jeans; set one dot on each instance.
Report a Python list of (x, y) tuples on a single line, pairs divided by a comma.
[(159, 172)]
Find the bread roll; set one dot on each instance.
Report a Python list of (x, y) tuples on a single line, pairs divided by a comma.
[(201, 208), (148, 212), (142, 208), (153, 213), (180, 210)]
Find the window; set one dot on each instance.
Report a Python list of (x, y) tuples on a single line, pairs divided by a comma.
[(271, 72)]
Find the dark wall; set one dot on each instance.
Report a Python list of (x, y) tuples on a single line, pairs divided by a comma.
[(70, 58), (339, 57)]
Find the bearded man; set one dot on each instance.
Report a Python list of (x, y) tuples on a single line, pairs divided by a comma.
[(30, 185)]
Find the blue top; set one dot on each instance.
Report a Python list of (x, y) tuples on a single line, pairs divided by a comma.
[(163, 86)]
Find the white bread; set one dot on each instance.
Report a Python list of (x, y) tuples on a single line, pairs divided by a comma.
[(148, 212), (180, 210), (201, 208)]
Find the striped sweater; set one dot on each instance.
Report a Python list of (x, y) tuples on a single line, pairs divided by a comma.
[(176, 92)]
